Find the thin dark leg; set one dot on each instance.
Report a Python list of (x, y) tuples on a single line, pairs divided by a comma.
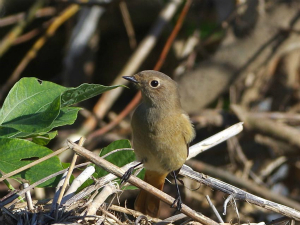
[(128, 173), (177, 200)]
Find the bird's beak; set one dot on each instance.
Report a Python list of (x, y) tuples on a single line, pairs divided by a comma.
[(131, 79)]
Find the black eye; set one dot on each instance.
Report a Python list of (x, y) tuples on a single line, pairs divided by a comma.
[(154, 83)]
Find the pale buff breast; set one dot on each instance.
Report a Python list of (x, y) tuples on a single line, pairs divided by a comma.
[(161, 144)]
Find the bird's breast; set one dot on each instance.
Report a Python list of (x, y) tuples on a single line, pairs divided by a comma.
[(158, 140)]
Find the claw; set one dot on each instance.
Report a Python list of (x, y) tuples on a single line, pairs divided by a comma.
[(127, 174), (178, 200), (178, 203)]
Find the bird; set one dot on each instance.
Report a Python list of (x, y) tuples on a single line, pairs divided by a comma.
[(161, 133)]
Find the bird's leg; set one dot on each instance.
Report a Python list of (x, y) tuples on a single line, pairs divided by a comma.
[(177, 200), (128, 173)]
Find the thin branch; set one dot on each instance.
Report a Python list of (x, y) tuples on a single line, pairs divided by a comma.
[(77, 182), (215, 140), (274, 164), (117, 120), (13, 197), (172, 219), (31, 54), (128, 24), (214, 209), (138, 182), (33, 163), (268, 126), (240, 194), (70, 171), (227, 200), (131, 212), (193, 151), (107, 191), (113, 217), (8, 40), (9, 20), (28, 197), (31, 34), (173, 35)]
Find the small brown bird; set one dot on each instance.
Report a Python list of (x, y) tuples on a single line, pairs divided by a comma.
[(161, 133)]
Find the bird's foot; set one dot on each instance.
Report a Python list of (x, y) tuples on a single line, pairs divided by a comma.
[(127, 174), (177, 202)]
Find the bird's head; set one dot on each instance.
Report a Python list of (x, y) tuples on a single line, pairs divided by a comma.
[(157, 88)]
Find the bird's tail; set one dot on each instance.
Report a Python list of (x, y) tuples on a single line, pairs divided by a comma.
[(145, 202)]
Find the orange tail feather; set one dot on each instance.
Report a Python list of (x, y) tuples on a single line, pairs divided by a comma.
[(145, 202)]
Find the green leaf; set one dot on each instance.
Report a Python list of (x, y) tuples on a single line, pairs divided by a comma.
[(44, 139), (16, 153), (29, 96), (33, 106), (6, 132), (120, 158), (66, 116), (83, 92), (36, 122), (65, 165)]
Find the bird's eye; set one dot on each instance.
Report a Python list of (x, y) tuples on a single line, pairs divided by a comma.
[(154, 83)]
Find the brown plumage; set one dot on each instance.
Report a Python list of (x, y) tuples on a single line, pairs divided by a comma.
[(161, 133)]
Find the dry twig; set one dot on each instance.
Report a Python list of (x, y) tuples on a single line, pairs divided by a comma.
[(59, 20), (33, 163), (18, 29), (268, 126), (138, 182), (239, 194)]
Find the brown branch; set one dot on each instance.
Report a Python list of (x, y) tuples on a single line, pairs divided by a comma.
[(31, 54), (279, 148), (9, 20), (128, 24), (8, 40), (131, 212), (193, 151), (239, 194), (173, 35), (20, 193), (268, 126), (70, 171), (110, 215), (116, 120), (31, 34), (138, 183)]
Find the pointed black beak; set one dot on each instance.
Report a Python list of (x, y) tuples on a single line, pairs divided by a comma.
[(131, 79)]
